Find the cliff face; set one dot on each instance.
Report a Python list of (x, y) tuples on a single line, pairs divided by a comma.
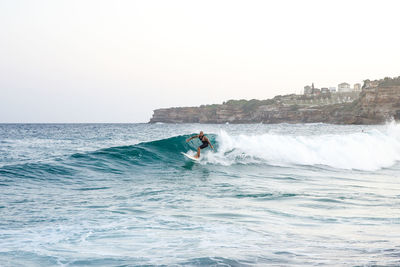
[(264, 114), (374, 106), (377, 105)]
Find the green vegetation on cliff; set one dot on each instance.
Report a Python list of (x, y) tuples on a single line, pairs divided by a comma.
[(248, 105), (387, 81)]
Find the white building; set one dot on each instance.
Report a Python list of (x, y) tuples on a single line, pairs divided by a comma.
[(308, 90), (324, 90), (357, 87), (332, 89), (344, 87)]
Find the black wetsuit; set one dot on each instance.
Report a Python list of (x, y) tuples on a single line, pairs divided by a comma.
[(205, 143)]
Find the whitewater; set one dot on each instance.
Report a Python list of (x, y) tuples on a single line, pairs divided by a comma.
[(124, 195)]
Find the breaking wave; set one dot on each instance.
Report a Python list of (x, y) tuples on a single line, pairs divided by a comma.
[(368, 151), (365, 151)]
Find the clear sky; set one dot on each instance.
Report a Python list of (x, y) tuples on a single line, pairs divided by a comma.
[(116, 61)]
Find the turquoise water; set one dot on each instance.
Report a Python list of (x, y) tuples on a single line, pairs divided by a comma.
[(124, 195)]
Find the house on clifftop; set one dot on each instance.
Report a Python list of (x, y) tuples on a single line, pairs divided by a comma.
[(344, 88)]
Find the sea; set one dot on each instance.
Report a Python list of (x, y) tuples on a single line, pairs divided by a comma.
[(267, 195)]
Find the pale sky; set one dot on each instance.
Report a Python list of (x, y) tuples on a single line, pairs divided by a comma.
[(116, 61)]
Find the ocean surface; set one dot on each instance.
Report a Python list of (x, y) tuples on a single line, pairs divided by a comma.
[(124, 195)]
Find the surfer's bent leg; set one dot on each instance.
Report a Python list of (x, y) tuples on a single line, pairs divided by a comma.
[(201, 147)]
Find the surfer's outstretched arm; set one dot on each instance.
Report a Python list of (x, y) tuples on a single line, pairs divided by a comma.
[(194, 136)]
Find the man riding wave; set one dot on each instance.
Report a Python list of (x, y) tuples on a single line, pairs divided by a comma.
[(204, 140)]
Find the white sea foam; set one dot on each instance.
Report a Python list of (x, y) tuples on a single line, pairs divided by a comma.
[(371, 150)]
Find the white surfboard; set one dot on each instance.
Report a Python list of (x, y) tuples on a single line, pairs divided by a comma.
[(190, 157)]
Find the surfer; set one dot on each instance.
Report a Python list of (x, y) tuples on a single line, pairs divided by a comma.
[(204, 140)]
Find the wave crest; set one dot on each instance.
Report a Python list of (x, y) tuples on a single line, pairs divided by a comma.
[(368, 151)]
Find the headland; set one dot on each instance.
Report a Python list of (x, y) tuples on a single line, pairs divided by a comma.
[(375, 102)]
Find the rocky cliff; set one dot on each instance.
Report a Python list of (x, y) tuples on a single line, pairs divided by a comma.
[(378, 102)]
